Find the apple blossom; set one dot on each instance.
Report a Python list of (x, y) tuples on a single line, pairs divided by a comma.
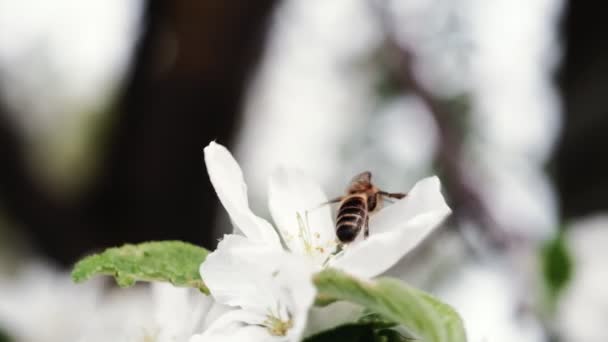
[(270, 289), (302, 229)]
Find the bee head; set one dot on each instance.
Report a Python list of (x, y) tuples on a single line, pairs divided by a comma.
[(360, 183)]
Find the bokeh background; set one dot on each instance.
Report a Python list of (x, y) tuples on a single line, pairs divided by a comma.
[(105, 107)]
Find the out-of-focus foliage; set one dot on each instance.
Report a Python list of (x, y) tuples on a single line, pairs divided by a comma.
[(557, 266), (4, 337), (10, 245), (170, 261)]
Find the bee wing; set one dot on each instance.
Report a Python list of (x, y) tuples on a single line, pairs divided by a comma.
[(361, 181)]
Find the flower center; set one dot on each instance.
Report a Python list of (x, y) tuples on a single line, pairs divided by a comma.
[(275, 322), (149, 336), (312, 243), (276, 326)]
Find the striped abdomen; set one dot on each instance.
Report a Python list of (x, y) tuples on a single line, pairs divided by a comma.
[(352, 217)]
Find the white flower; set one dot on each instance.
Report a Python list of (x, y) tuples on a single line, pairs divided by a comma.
[(41, 303), (486, 315), (271, 289), (394, 230), (583, 306), (179, 313), (161, 313)]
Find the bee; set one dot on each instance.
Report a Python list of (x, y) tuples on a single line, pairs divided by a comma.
[(361, 200)]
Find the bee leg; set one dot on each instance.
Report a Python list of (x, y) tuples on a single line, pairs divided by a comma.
[(334, 200), (395, 195), (366, 229), (331, 201)]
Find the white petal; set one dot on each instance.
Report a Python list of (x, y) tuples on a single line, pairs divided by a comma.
[(180, 312), (237, 326), (425, 197), (403, 228), (227, 179), (292, 193), (216, 311), (236, 273), (260, 279), (379, 252), (331, 316), (294, 281)]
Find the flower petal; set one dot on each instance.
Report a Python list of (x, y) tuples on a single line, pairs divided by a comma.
[(400, 229), (425, 197), (180, 312), (379, 252), (237, 271), (260, 279), (331, 316), (237, 326), (227, 179), (216, 311), (292, 193), (294, 281)]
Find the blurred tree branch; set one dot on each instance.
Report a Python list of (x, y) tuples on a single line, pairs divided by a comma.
[(467, 202)]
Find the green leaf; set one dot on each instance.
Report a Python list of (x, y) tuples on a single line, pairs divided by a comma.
[(345, 333), (557, 266), (359, 331), (169, 261), (376, 320), (369, 327), (4, 336), (391, 335), (425, 317)]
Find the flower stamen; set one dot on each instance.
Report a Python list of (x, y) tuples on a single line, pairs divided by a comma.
[(304, 233), (311, 241), (275, 324)]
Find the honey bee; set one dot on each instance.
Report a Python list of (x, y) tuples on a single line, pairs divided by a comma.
[(361, 200)]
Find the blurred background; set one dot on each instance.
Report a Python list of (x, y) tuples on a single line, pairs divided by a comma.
[(105, 107)]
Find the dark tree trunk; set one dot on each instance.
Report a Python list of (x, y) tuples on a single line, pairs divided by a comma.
[(580, 163)]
